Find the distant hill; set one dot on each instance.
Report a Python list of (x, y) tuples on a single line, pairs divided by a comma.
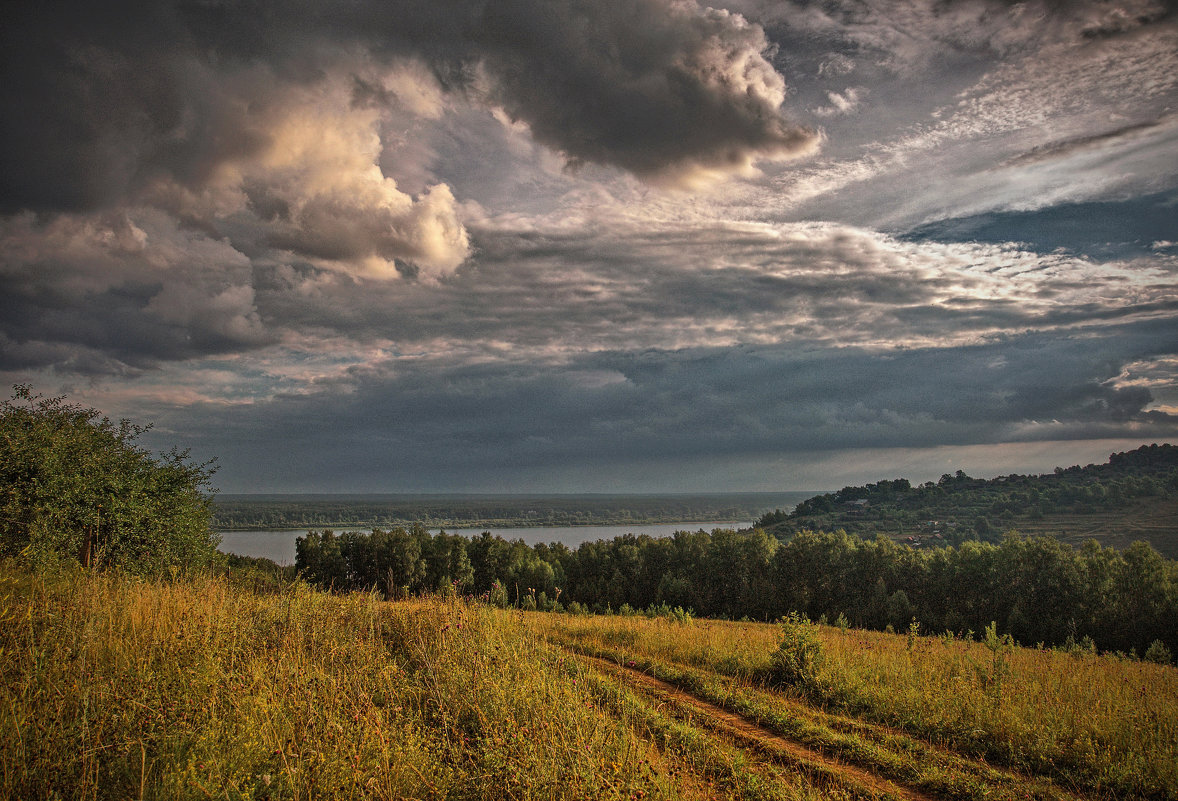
[(1134, 496)]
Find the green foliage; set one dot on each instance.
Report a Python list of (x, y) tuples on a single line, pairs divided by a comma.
[(1038, 589), (76, 486), (676, 614), (991, 675), (958, 505), (899, 609), (799, 653), (257, 574), (498, 596), (1158, 653), (241, 512)]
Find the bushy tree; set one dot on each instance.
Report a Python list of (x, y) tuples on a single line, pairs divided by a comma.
[(76, 486)]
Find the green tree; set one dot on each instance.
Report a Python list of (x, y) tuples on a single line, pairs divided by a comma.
[(74, 485), (400, 570), (319, 559), (900, 610)]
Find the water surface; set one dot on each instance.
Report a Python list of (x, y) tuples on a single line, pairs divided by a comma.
[(280, 545)]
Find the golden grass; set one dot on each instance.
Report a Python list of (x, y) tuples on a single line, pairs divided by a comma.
[(117, 688), (1097, 723)]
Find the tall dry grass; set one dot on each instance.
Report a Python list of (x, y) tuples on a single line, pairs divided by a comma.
[(117, 688), (1096, 722)]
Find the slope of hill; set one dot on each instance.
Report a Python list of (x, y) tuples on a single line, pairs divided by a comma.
[(1132, 496), (117, 688)]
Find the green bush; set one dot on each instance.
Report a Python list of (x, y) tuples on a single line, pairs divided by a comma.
[(74, 486), (799, 653), (1158, 653)]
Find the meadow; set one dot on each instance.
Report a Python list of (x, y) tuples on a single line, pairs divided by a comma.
[(939, 713), (119, 687)]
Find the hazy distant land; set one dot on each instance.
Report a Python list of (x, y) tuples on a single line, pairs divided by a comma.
[(241, 512)]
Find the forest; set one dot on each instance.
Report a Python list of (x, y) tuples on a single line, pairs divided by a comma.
[(957, 507), (1037, 590)]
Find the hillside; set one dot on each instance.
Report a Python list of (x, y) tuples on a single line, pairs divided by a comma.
[(1133, 496), (117, 688)]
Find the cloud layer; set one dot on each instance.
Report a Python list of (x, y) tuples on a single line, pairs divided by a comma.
[(462, 244), (103, 104)]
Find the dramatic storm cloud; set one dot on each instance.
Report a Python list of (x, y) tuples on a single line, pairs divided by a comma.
[(104, 103), (597, 244)]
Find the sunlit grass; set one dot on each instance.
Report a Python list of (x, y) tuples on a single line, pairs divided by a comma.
[(117, 688), (120, 688), (1098, 723)]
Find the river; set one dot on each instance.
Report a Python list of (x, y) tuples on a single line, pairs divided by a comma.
[(279, 546)]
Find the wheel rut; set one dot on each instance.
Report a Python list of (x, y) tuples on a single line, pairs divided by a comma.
[(764, 739)]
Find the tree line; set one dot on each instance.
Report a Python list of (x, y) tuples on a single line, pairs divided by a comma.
[(961, 507), (1038, 590), (77, 487)]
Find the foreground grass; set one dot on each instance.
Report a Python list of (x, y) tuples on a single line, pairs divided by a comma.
[(116, 688), (1096, 724), (120, 688)]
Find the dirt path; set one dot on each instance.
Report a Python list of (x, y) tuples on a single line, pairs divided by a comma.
[(768, 741)]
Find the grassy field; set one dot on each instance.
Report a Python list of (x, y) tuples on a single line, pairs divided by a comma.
[(1152, 520), (117, 688), (938, 713)]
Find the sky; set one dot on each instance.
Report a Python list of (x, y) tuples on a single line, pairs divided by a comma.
[(596, 245)]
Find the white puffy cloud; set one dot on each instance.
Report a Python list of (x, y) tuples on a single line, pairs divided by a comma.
[(331, 202), (845, 103)]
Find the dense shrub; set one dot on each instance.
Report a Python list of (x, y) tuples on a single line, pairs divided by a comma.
[(799, 653), (1158, 653), (75, 486)]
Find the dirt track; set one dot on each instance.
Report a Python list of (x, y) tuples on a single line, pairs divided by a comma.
[(763, 739)]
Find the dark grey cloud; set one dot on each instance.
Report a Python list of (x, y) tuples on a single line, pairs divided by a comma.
[(148, 292), (1080, 144), (109, 296), (651, 87), (101, 102), (337, 243), (427, 422)]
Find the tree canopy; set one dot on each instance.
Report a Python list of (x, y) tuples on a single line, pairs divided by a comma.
[(1035, 588), (958, 508), (75, 485)]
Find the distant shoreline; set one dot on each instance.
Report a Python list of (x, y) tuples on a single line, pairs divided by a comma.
[(455, 526), (293, 512)]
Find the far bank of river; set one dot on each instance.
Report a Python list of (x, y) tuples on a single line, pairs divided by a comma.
[(279, 546)]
